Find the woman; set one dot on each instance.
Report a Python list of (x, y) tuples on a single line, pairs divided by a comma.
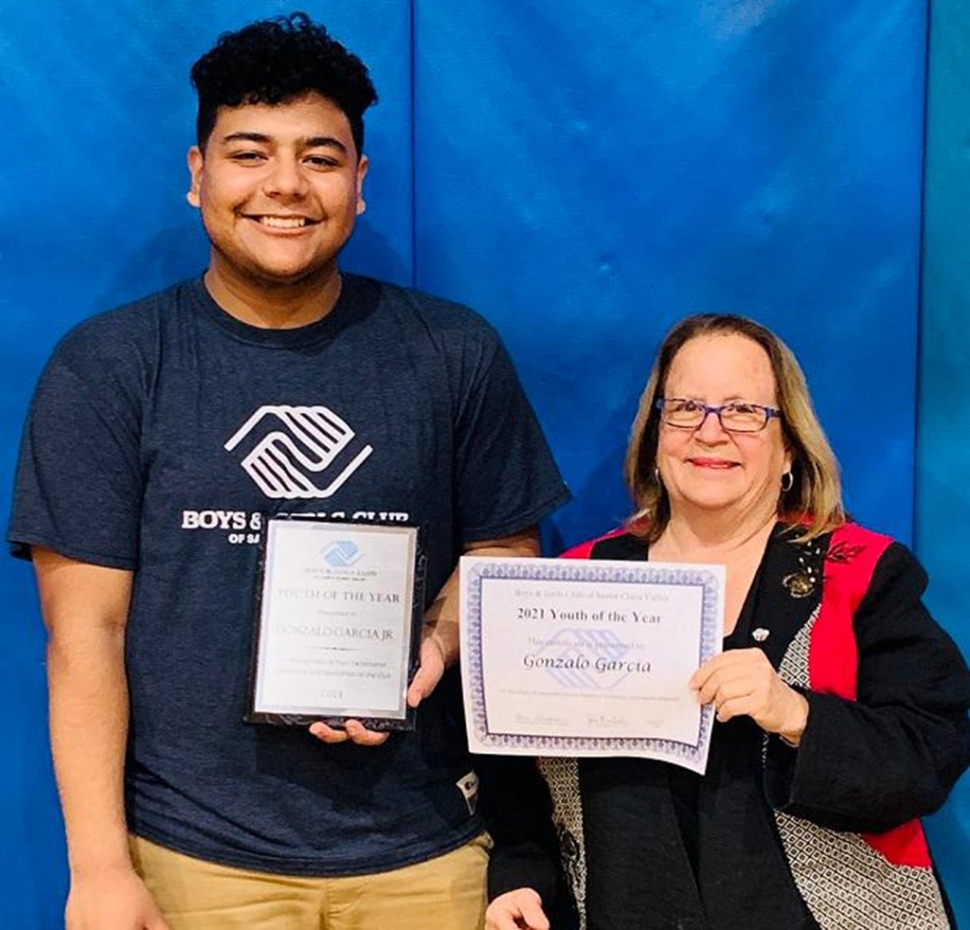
[(842, 705)]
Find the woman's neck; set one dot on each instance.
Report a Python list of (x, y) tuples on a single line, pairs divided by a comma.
[(738, 546), (701, 539)]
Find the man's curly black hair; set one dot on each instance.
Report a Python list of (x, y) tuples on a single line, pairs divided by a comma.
[(277, 60)]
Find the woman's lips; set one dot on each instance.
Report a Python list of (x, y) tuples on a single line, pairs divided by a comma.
[(720, 464)]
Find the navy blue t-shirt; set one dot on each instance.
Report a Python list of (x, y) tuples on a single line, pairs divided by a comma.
[(162, 435)]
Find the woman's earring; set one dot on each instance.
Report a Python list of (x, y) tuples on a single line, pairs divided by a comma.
[(787, 482)]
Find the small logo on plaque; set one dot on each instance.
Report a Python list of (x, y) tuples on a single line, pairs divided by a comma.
[(342, 554)]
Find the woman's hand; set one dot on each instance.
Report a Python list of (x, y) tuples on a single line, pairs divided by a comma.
[(742, 682), (516, 910)]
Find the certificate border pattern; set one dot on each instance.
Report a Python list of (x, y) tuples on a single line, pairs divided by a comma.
[(530, 570)]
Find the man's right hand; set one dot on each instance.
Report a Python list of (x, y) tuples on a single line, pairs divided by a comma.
[(516, 910), (112, 900)]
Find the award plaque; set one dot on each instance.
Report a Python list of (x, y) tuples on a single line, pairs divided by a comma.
[(338, 623)]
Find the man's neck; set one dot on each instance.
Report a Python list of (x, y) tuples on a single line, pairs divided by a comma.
[(274, 306)]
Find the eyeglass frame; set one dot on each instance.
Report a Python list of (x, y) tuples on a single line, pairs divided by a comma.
[(708, 410)]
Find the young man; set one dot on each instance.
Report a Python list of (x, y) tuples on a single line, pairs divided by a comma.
[(161, 436)]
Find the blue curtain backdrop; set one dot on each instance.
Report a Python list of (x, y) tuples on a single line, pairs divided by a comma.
[(583, 174), (943, 493)]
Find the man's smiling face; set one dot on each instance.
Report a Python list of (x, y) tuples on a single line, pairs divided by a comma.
[(279, 188)]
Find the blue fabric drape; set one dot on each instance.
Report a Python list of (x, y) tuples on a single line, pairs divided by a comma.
[(584, 175)]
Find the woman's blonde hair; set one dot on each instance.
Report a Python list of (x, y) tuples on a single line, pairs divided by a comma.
[(813, 503)]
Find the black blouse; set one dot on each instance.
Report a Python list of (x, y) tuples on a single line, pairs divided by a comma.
[(723, 865)]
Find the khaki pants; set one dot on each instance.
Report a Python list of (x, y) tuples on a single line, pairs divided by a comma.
[(444, 893)]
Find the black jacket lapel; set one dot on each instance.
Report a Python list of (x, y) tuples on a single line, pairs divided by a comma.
[(789, 590)]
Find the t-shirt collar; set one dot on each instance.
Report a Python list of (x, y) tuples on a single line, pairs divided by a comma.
[(346, 308)]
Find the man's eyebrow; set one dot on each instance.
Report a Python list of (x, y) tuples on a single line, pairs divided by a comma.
[(246, 137), (307, 142), (327, 142)]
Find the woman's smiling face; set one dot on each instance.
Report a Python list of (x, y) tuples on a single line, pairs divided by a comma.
[(708, 468)]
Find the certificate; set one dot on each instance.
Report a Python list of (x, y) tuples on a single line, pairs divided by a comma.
[(564, 657), (338, 623)]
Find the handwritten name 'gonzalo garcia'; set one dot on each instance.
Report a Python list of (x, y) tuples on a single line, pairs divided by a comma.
[(583, 663)]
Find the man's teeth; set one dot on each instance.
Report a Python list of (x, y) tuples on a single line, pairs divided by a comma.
[(283, 222)]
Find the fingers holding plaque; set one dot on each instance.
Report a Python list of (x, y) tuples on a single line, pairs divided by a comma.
[(588, 658), (338, 623)]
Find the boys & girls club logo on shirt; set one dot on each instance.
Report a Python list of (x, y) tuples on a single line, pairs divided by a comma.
[(297, 449)]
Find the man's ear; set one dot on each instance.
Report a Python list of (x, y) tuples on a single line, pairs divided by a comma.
[(195, 159), (362, 166)]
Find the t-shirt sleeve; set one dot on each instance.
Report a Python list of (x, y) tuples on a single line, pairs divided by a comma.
[(78, 483), (506, 478)]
